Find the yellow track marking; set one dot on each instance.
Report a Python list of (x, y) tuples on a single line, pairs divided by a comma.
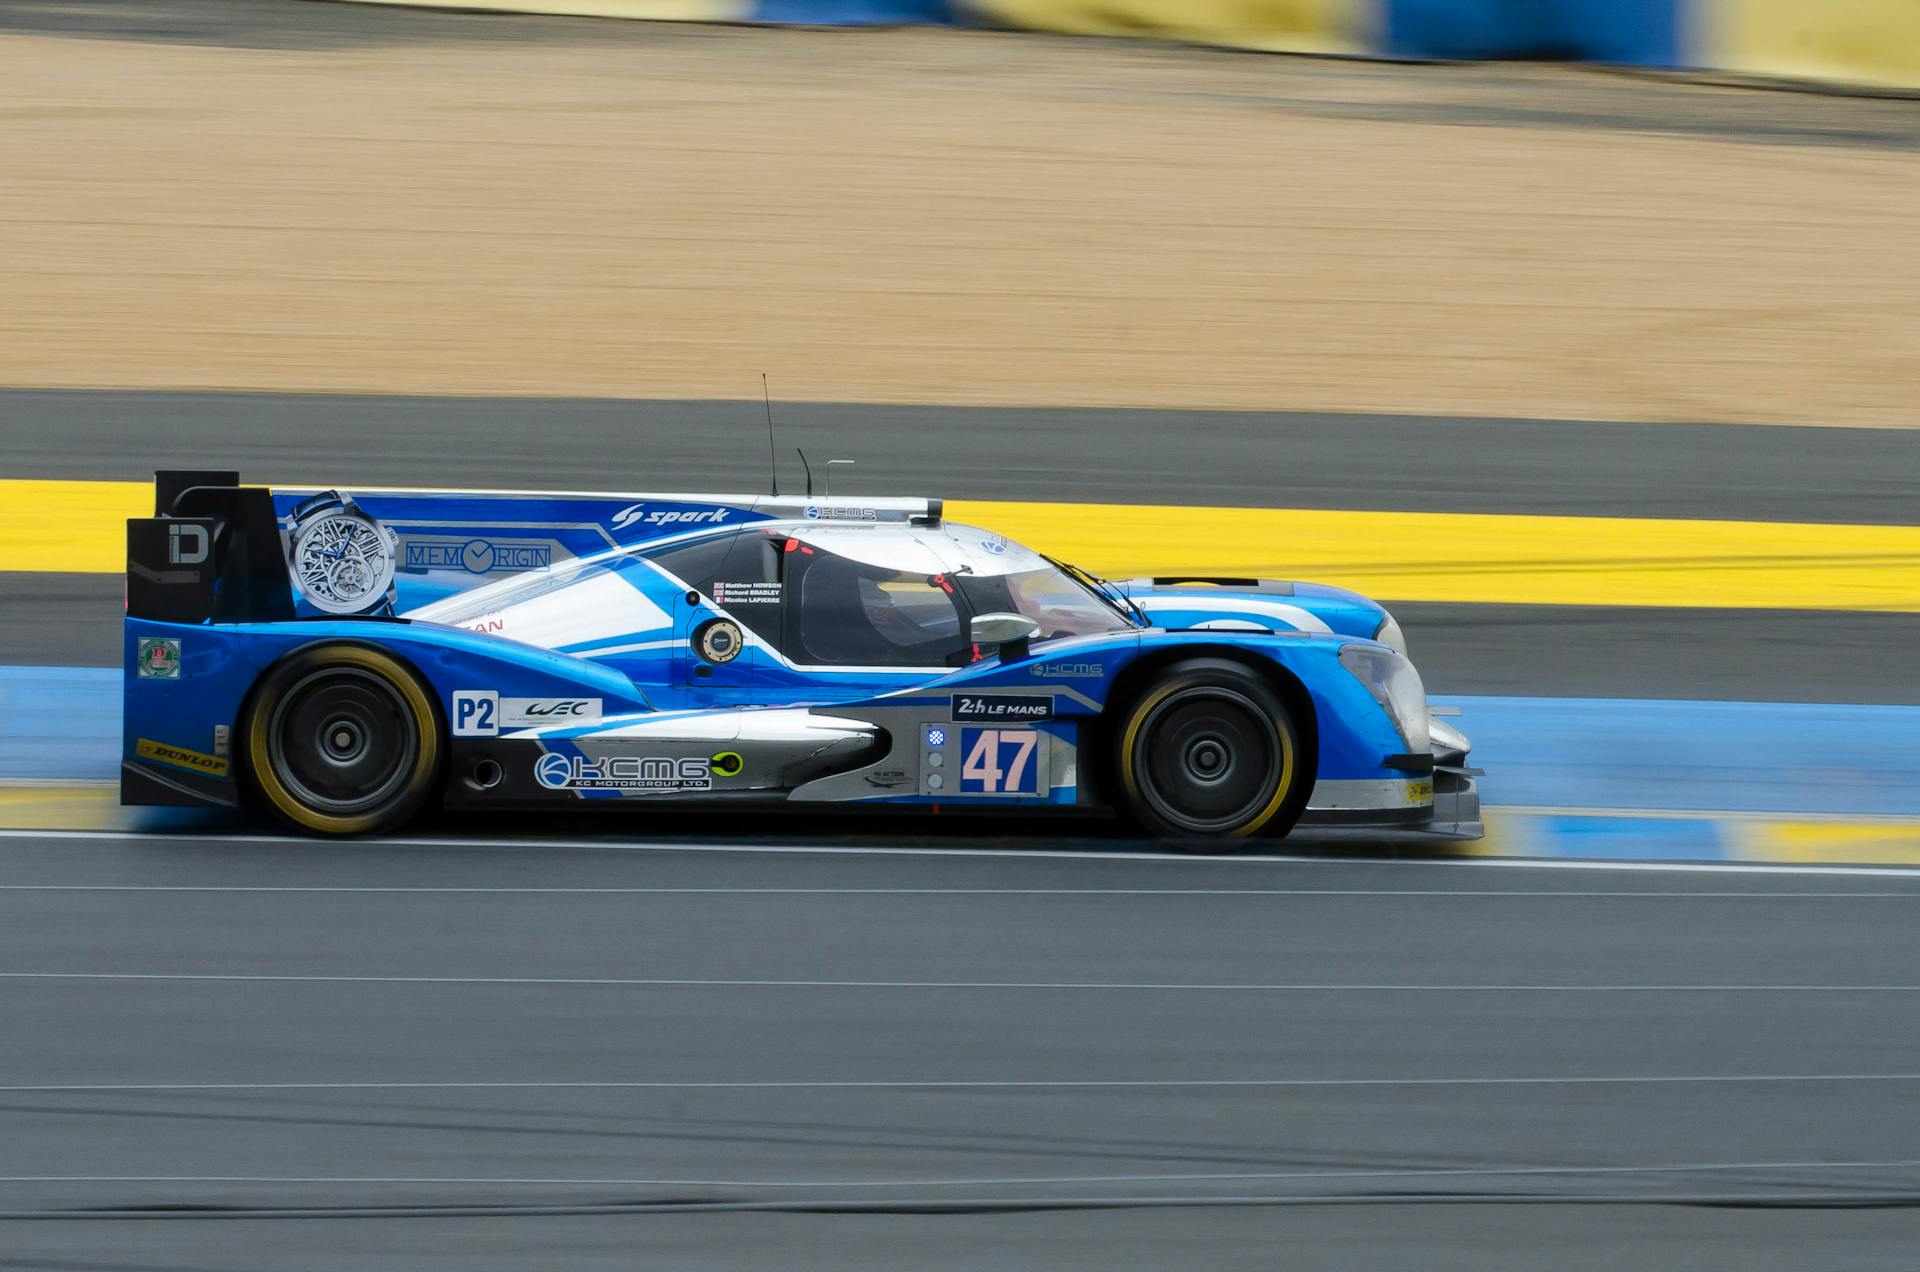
[(1864, 843), (1425, 556), (78, 806), (1281, 26), (76, 526), (1854, 41), (71, 526)]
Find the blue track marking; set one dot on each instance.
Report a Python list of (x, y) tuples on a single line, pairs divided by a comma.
[(63, 724), (1746, 757), (59, 723), (1599, 837)]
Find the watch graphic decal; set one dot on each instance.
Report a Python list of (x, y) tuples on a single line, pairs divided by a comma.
[(341, 559)]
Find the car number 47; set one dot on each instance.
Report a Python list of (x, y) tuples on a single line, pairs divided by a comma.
[(999, 762)]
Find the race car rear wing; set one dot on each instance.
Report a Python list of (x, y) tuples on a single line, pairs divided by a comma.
[(211, 551)]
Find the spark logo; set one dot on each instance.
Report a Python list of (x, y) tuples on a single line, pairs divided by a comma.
[(637, 514)]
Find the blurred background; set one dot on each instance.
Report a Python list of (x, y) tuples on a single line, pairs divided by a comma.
[(1581, 333)]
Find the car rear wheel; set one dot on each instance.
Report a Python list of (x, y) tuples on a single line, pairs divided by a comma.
[(342, 740), (1210, 751)]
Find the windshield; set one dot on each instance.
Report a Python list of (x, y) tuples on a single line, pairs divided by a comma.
[(1050, 597)]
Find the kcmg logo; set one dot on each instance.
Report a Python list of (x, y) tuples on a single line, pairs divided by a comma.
[(555, 772), (663, 774)]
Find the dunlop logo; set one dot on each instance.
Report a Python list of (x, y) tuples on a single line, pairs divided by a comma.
[(180, 757)]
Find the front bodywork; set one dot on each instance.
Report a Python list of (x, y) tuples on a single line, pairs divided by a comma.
[(580, 652)]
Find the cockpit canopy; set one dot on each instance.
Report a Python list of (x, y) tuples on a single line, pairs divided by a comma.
[(882, 595)]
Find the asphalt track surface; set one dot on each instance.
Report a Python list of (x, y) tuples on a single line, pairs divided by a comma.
[(1272, 459), (946, 1056), (1406, 1065)]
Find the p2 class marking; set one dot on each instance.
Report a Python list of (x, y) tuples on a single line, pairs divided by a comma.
[(483, 713)]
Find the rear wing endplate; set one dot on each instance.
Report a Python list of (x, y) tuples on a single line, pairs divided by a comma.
[(211, 552)]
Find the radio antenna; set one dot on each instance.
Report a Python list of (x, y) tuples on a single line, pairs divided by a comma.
[(828, 491), (772, 464), (809, 467)]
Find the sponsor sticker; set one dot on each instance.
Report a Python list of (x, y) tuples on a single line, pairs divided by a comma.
[(170, 553), (728, 764), (1001, 706), (827, 512), (188, 544), (641, 515), (624, 773), (746, 593), (159, 658), (180, 757), (936, 737), (1069, 671), (478, 556), (483, 713), (1420, 790)]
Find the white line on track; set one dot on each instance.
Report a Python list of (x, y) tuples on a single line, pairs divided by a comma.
[(1889, 820), (664, 982), (431, 890), (1422, 1172), (628, 846), (1033, 854), (965, 1084)]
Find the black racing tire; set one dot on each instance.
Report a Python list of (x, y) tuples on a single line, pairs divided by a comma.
[(1210, 752), (342, 739)]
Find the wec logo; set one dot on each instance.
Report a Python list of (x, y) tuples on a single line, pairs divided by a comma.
[(482, 713), (637, 515)]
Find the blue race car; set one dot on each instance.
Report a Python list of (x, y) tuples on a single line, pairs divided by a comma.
[(351, 659)]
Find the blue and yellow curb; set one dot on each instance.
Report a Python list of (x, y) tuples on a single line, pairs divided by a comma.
[(1871, 43), (1595, 835), (1613, 835)]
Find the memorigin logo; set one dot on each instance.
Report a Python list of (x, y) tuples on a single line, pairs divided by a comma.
[(478, 556)]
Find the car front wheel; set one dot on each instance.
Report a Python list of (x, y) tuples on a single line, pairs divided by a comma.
[(1210, 751)]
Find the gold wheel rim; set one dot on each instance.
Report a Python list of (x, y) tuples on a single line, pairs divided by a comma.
[(329, 823), (1283, 736)]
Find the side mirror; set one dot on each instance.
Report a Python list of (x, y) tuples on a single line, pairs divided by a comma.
[(1010, 632)]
